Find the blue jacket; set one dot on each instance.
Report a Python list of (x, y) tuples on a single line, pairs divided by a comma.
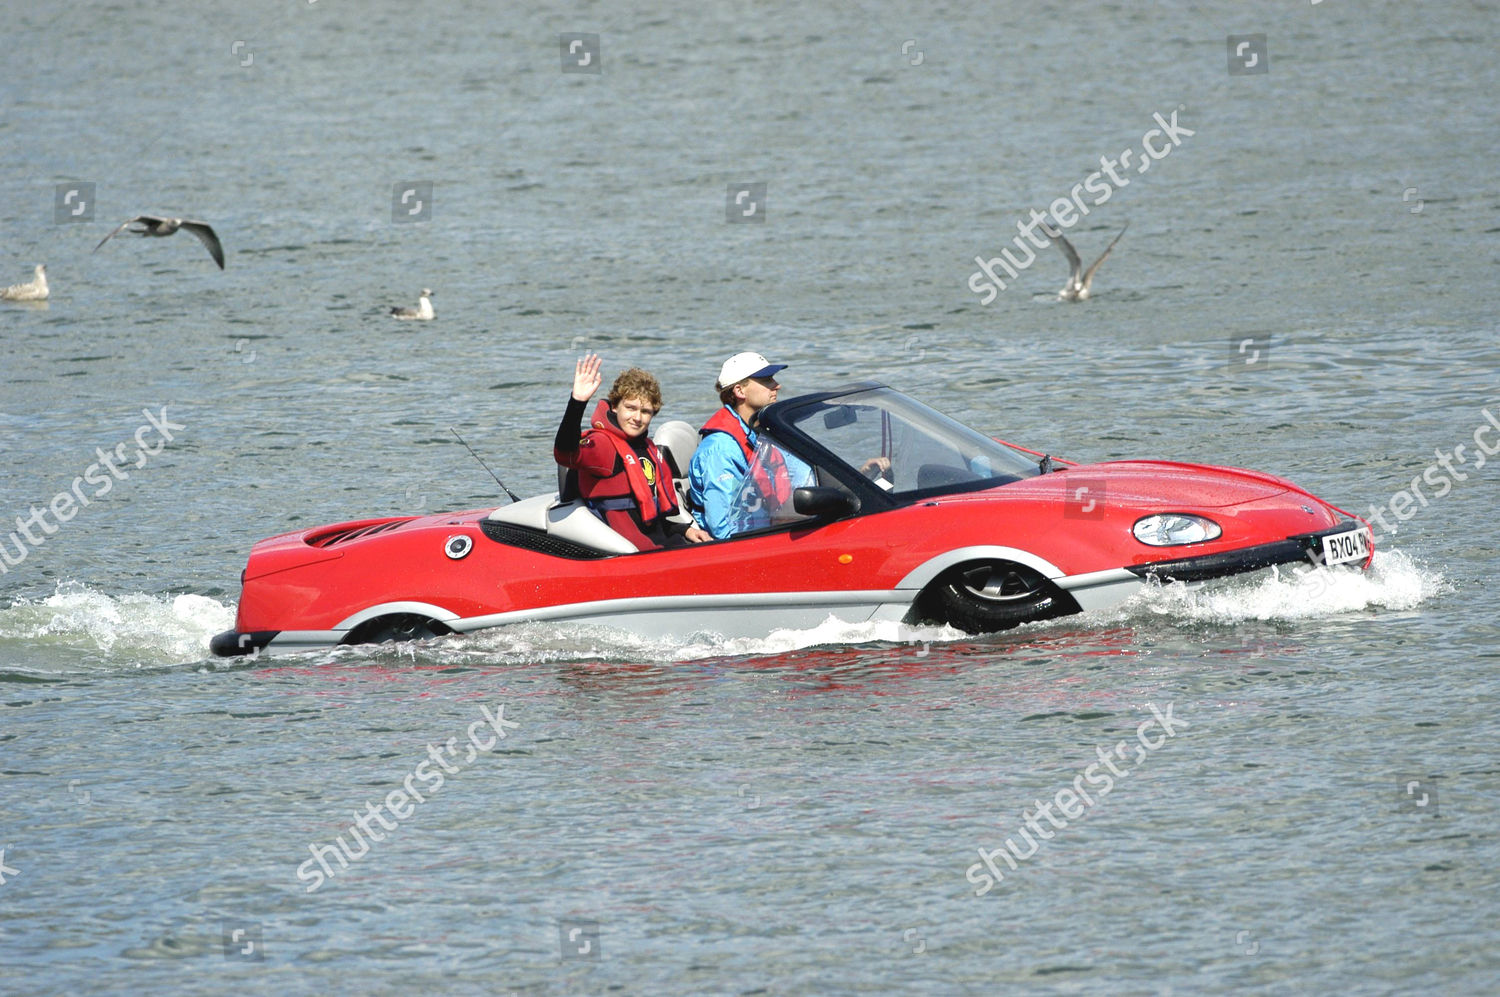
[(715, 473)]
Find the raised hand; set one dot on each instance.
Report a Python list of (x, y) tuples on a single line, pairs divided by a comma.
[(586, 378)]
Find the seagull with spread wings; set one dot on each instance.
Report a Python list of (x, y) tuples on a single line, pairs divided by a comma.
[(1077, 287), (152, 225)]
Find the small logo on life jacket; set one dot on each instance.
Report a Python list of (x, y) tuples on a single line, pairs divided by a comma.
[(649, 470)]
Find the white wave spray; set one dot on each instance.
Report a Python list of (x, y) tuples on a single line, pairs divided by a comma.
[(81, 625)]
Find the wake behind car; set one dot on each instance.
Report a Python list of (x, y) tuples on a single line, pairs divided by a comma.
[(860, 504)]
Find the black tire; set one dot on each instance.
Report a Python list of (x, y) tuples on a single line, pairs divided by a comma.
[(397, 627), (997, 595)]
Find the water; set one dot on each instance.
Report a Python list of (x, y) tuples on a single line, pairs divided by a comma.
[(794, 813)]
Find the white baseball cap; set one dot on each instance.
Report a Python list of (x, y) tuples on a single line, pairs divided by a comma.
[(743, 365)]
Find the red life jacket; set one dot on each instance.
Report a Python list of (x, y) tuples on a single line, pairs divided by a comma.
[(725, 421), (630, 482), (771, 478)]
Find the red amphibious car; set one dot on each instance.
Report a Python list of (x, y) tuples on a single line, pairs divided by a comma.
[(958, 528)]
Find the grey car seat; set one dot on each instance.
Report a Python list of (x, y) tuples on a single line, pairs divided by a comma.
[(677, 440)]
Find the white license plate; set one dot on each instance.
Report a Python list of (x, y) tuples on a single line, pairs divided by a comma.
[(1341, 548)]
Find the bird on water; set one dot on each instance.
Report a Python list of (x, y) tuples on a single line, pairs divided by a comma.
[(33, 290), (422, 313)]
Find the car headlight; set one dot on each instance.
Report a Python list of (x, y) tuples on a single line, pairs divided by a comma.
[(1172, 528)]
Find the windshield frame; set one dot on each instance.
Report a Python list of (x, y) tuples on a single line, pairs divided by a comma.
[(779, 419)]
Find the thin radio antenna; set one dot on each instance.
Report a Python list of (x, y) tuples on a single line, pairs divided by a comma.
[(484, 465)]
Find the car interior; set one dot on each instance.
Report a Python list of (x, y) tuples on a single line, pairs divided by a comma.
[(564, 517)]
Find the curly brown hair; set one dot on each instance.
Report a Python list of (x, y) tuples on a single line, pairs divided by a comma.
[(635, 383)]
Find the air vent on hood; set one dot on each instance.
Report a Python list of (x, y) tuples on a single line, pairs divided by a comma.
[(334, 538)]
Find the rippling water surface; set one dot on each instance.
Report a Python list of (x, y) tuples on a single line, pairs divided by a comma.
[(1304, 288)]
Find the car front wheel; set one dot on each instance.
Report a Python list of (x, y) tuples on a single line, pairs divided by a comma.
[(990, 596), (396, 627)]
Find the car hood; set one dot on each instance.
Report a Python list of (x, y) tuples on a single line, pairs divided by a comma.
[(1096, 505), (1158, 484), (1162, 481)]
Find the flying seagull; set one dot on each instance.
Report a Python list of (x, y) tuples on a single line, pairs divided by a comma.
[(423, 312), (35, 290), (1077, 288), (152, 225)]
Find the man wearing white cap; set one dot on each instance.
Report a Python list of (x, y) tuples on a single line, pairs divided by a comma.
[(746, 384)]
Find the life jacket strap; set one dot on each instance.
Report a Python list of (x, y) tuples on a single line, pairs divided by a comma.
[(614, 504)]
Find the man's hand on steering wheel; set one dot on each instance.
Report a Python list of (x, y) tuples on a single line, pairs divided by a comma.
[(878, 470)]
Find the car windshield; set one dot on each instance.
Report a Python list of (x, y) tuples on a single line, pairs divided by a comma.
[(906, 448), (901, 446), (765, 493)]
